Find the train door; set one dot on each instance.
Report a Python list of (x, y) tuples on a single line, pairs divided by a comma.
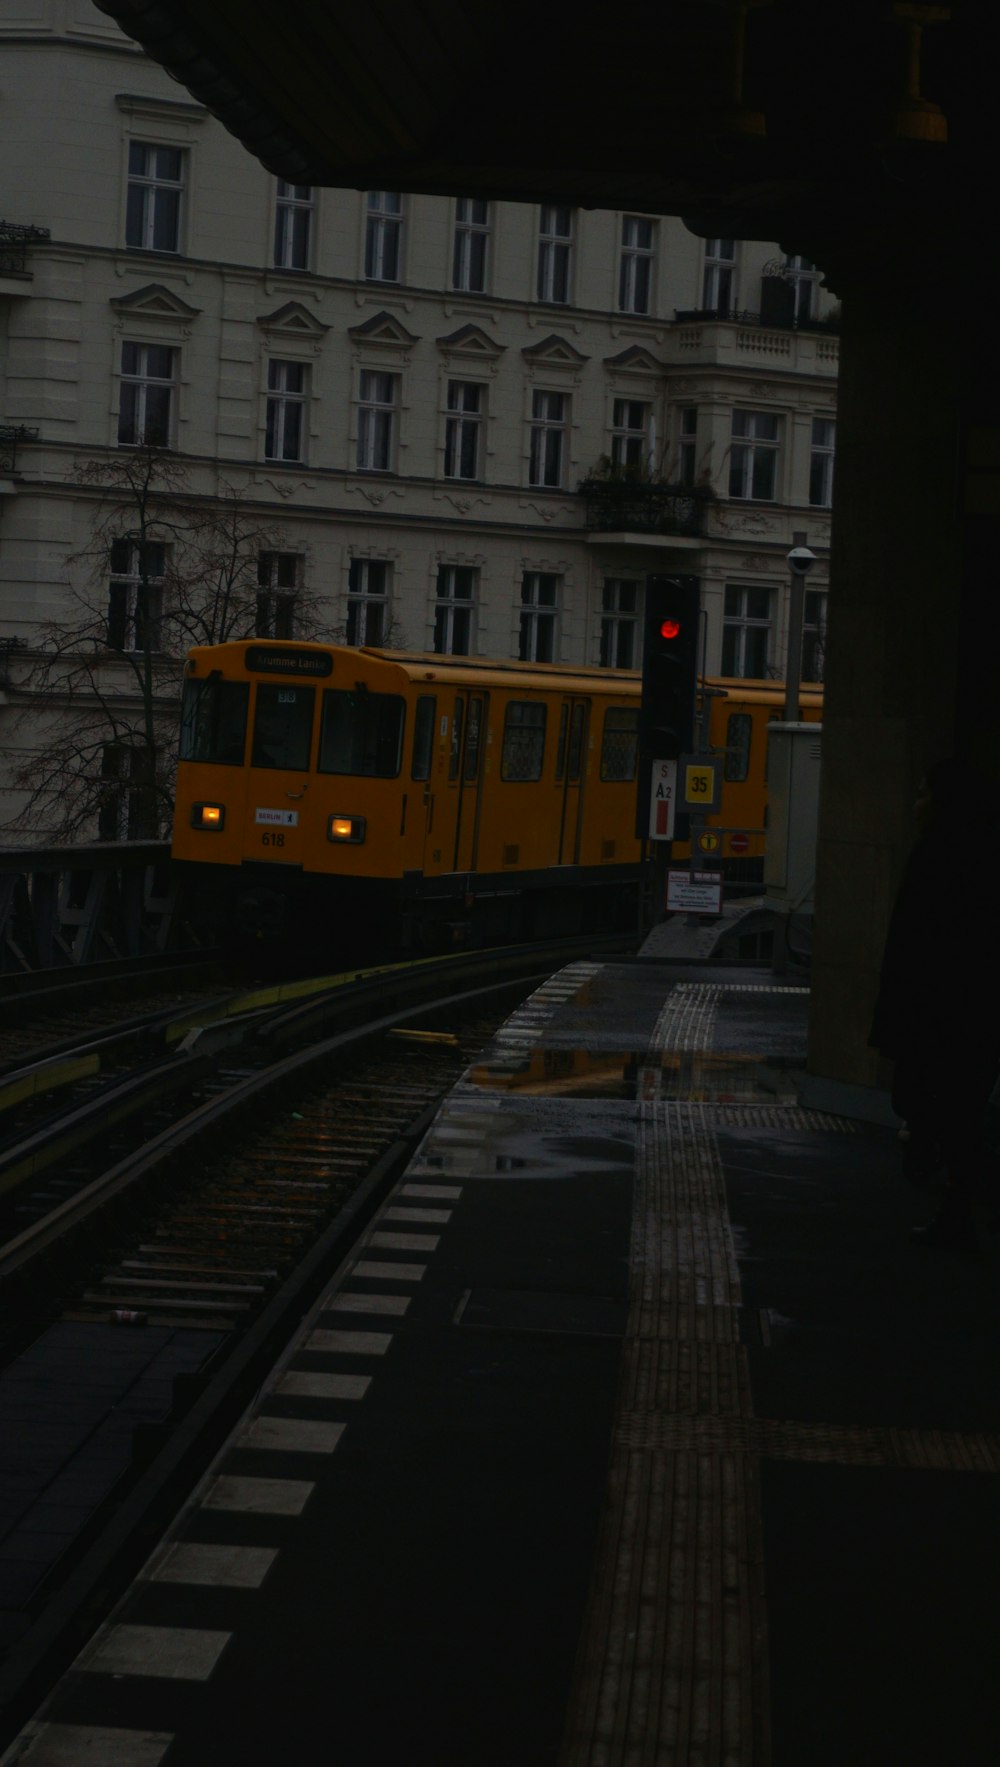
[(278, 790), (570, 767), (443, 790), (466, 769)]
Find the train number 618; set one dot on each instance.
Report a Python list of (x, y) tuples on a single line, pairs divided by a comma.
[(272, 840)]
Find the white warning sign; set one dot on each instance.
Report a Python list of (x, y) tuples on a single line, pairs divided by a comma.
[(662, 800)]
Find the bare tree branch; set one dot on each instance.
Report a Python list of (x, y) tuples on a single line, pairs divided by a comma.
[(162, 570)]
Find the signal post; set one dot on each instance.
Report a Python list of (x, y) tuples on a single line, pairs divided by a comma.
[(670, 656)]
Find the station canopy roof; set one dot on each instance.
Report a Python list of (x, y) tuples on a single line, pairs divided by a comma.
[(751, 118)]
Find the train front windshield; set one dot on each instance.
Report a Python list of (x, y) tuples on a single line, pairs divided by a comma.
[(282, 727), (214, 721), (362, 733)]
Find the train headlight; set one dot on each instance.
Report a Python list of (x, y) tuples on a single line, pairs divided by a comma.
[(208, 816), (347, 828)]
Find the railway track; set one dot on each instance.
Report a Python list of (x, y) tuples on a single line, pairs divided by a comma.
[(213, 1233), (48, 1009), (221, 1246)]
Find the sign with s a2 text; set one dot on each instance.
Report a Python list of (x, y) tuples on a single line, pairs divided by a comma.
[(662, 800)]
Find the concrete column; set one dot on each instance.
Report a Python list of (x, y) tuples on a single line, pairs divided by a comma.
[(912, 638)]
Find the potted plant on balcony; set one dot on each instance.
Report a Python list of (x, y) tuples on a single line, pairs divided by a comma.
[(619, 497)]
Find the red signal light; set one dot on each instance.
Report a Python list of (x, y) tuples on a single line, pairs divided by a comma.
[(670, 628)]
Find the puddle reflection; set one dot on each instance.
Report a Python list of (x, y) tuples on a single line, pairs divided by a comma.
[(694, 1075)]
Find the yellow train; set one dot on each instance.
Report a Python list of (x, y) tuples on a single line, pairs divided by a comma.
[(345, 795)]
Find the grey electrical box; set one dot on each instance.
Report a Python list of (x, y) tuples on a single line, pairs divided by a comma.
[(793, 752)]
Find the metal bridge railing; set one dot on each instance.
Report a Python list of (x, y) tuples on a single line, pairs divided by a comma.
[(69, 906)]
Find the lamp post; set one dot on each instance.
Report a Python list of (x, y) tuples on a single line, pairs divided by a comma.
[(800, 563)]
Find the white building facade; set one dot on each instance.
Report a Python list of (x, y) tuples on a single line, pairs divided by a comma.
[(408, 390)]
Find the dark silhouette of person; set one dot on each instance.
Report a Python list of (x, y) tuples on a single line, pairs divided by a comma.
[(936, 1015)]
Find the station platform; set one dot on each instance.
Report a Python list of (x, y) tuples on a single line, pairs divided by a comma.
[(636, 1433)]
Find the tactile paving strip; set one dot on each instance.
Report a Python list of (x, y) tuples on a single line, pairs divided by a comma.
[(841, 1445), (777, 1116), (673, 1659)]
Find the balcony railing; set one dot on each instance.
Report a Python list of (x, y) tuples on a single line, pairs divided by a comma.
[(15, 239), (10, 435), (616, 507), (743, 316)]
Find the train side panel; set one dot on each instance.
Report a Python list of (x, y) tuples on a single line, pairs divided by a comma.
[(393, 785)]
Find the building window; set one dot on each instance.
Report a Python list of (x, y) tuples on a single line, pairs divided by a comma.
[(804, 279), (719, 283), (128, 798), (472, 232), (687, 444), (287, 391), (619, 623), (746, 632), (539, 605), (630, 434), (293, 226), (813, 635), (548, 438), (555, 244), (145, 411), (463, 429), (635, 276), (368, 601), (377, 421), (278, 578), (821, 462), (153, 207), (457, 585), (383, 235), (135, 595), (754, 455)]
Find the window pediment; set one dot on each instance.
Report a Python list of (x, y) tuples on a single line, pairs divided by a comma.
[(635, 360), (555, 352), (154, 301), (293, 320), (156, 109), (383, 328), (471, 341)]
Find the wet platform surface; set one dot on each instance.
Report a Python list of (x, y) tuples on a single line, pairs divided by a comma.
[(636, 1432), (70, 1407)]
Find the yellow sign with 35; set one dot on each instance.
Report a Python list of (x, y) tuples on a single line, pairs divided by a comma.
[(699, 784)]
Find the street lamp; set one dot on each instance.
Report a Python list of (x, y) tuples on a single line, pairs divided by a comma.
[(800, 563)]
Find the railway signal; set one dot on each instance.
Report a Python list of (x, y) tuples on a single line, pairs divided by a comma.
[(669, 666)]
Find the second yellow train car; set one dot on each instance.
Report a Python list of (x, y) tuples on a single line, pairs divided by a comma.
[(352, 797)]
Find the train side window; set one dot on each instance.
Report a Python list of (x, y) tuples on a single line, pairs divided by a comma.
[(739, 733), (620, 743), (561, 745), (282, 726), (523, 741), (214, 721), (362, 733), (423, 736), (454, 758), (473, 737), (576, 743)]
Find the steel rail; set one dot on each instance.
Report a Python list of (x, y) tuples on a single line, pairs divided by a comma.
[(34, 1241), (114, 1105), (223, 1022), (49, 987), (175, 1454)]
